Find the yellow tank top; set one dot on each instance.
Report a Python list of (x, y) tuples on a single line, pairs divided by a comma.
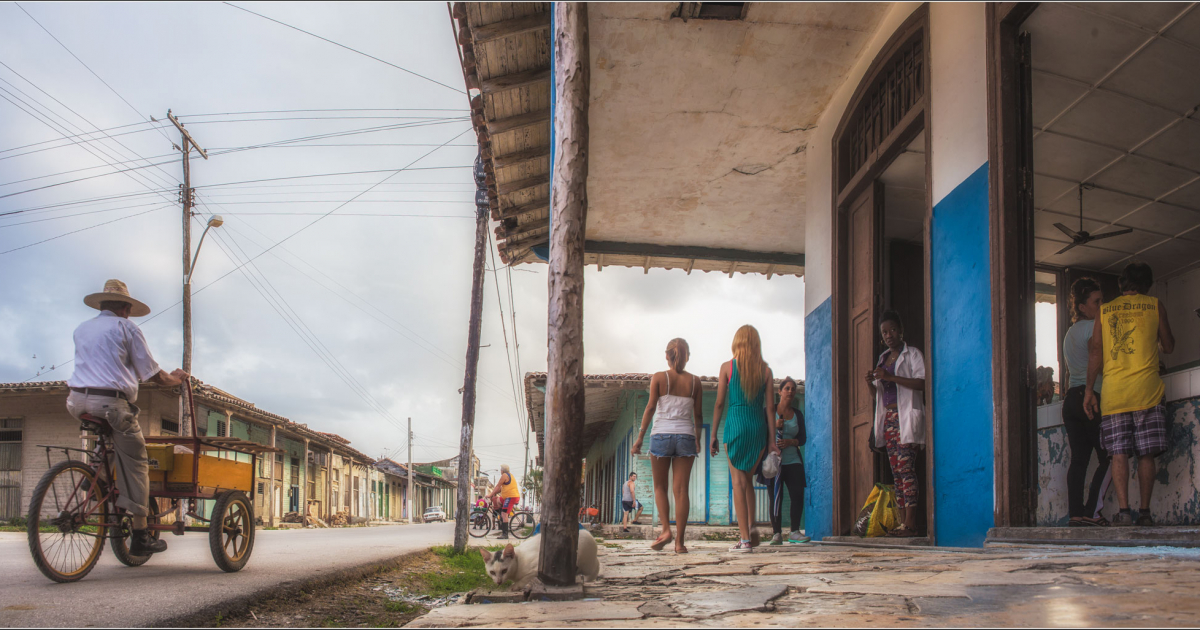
[(1130, 328), (509, 490)]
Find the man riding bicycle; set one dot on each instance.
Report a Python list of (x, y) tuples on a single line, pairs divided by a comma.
[(111, 358), (509, 497)]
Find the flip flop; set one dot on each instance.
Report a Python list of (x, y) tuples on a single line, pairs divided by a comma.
[(659, 543), (681, 549)]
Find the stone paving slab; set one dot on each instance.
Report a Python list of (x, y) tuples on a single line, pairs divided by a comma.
[(899, 589), (726, 601), (559, 613)]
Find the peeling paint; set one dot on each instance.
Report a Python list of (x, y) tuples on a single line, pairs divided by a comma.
[(1176, 498)]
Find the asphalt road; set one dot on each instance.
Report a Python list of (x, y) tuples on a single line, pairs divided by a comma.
[(185, 580)]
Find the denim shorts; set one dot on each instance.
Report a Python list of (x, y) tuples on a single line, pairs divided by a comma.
[(673, 445)]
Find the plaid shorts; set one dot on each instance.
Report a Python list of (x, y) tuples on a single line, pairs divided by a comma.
[(1139, 433)]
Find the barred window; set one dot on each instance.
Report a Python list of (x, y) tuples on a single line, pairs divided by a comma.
[(898, 88)]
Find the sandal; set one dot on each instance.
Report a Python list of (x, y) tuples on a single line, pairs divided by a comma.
[(660, 542), (902, 532), (681, 549)]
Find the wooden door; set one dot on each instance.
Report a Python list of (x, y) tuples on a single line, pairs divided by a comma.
[(863, 291)]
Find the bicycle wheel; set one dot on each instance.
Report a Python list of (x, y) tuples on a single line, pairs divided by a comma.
[(481, 524), (521, 525), (66, 522), (120, 538), (231, 531)]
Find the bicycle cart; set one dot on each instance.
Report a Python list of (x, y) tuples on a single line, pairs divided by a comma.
[(74, 509)]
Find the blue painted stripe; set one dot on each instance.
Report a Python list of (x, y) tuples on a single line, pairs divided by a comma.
[(960, 287), (818, 420)]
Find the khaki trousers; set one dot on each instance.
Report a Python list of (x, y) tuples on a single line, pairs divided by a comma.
[(132, 468)]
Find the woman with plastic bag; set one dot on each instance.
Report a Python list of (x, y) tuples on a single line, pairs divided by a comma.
[(790, 436), (898, 382)]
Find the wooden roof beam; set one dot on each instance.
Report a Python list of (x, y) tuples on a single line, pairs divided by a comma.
[(528, 241), (520, 121), (695, 253), (510, 28), (533, 206), (522, 184), (507, 82), (520, 157), (521, 230)]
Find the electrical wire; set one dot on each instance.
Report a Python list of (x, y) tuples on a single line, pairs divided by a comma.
[(346, 47), (34, 144), (423, 344), (52, 238), (335, 109), (89, 69), (504, 333)]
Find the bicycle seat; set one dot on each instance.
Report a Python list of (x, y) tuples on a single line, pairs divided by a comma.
[(95, 423)]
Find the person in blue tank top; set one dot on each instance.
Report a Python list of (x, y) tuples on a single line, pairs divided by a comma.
[(747, 383)]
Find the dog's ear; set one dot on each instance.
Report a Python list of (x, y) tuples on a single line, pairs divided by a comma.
[(486, 556), (509, 552)]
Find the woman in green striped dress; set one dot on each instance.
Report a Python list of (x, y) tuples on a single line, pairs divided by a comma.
[(749, 428)]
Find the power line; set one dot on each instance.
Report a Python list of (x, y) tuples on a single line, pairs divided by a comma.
[(504, 333), (428, 346), (81, 201), (336, 109), (52, 238), (80, 214), (381, 170), (88, 133), (89, 69), (346, 47)]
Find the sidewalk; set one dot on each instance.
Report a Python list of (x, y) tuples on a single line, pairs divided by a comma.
[(827, 585)]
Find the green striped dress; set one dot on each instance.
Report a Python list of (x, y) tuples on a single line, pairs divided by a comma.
[(745, 433)]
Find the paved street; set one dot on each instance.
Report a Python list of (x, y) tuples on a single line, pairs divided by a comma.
[(185, 579), (825, 585)]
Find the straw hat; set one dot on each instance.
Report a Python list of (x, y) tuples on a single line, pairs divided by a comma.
[(116, 291)]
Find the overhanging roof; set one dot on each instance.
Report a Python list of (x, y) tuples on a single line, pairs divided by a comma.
[(698, 128)]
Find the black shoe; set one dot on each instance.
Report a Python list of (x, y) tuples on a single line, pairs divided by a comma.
[(1144, 519), (503, 531), (1122, 519), (141, 544)]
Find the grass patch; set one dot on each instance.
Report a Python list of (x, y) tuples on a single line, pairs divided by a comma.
[(403, 608), (461, 572)]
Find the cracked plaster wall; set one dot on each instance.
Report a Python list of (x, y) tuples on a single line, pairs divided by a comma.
[(1176, 499), (700, 128)]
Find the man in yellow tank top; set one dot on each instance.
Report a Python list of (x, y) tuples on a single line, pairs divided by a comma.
[(510, 495), (1128, 336)]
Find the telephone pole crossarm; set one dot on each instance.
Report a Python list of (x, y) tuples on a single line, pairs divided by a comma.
[(187, 136)]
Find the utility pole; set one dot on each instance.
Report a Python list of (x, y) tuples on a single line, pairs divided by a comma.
[(186, 197), (482, 208), (409, 499)]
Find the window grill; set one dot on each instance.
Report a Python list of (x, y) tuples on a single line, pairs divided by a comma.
[(170, 426), (899, 87)]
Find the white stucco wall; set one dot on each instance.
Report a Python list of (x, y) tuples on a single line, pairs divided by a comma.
[(1181, 295), (818, 241), (958, 92)]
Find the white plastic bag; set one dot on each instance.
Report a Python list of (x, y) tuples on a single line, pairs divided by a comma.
[(770, 466)]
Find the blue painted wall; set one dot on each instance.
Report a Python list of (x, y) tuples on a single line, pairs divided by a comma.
[(961, 355), (818, 417)]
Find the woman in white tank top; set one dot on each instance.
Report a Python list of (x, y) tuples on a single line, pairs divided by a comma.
[(675, 404)]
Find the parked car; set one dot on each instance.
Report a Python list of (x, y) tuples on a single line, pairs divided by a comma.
[(435, 513)]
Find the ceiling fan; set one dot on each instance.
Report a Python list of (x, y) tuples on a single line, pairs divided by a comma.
[(1082, 237)]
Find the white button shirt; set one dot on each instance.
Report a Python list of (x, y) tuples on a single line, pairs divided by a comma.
[(111, 353)]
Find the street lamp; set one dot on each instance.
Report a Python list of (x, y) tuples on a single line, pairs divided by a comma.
[(213, 221)]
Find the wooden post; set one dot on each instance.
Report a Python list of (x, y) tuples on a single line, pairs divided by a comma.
[(564, 381), (462, 512)]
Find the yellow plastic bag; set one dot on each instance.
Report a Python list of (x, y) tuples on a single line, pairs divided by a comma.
[(879, 514)]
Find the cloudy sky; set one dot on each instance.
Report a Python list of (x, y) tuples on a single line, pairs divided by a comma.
[(354, 322)]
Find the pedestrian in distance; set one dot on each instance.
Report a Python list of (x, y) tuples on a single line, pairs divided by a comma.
[(629, 502), (676, 407), (111, 359), (1126, 341), (790, 435), (898, 382), (747, 384), (1083, 433)]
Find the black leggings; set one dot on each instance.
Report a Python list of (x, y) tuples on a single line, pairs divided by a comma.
[(1083, 434), (792, 476)]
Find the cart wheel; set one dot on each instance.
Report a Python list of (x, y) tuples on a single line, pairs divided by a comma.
[(231, 532), (66, 522), (120, 538)]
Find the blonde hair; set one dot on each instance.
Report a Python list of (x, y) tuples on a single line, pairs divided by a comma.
[(504, 468), (747, 351), (678, 353)]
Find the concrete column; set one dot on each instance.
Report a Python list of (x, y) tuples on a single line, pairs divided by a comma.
[(304, 483), (271, 482)]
